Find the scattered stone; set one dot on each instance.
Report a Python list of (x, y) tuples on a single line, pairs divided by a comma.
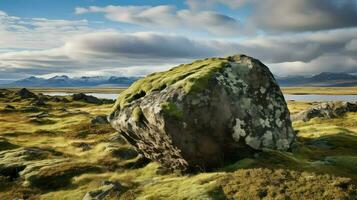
[(124, 153), (26, 94), (326, 110), (205, 114), (38, 102), (100, 119), (86, 98), (106, 188), (60, 99)]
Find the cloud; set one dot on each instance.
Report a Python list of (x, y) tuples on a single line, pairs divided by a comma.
[(303, 15), (324, 63), (291, 15), (38, 33), (137, 53), (209, 4), (166, 16)]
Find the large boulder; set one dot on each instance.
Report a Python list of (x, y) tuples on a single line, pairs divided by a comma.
[(204, 114)]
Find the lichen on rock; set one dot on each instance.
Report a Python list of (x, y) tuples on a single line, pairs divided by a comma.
[(205, 114)]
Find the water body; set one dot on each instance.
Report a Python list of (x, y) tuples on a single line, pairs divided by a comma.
[(319, 97), (295, 97), (98, 95)]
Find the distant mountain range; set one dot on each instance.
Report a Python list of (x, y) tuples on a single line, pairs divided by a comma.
[(324, 79), (65, 81)]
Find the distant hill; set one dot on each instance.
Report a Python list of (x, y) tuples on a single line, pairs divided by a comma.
[(65, 81), (324, 79)]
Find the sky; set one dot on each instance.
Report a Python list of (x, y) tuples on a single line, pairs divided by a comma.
[(45, 38)]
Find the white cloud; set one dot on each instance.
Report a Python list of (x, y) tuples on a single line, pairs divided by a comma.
[(144, 52), (209, 4), (304, 15), (166, 16), (38, 33)]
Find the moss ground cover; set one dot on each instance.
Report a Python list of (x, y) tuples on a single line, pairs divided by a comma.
[(190, 77), (76, 156)]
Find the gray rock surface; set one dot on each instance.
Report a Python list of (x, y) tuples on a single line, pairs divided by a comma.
[(101, 193), (206, 114), (100, 119), (326, 110)]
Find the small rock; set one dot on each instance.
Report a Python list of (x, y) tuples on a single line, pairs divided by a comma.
[(38, 102), (100, 119), (59, 99), (106, 188), (124, 153)]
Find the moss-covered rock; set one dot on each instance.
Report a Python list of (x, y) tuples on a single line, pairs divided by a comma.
[(204, 114)]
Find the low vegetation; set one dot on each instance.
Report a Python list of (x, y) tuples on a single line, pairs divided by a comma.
[(56, 152), (321, 90), (190, 77)]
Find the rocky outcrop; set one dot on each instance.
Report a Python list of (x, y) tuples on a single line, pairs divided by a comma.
[(204, 114), (86, 98), (90, 99), (26, 94), (326, 110)]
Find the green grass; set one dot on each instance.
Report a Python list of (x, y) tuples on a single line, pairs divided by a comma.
[(137, 114), (320, 90), (325, 149), (172, 110)]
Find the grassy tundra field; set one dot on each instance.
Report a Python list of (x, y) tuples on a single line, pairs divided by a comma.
[(286, 90), (321, 90), (55, 150)]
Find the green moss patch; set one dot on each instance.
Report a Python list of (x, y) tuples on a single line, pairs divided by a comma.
[(172, 110), (192, 77), (137, 114), (285, 184)]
